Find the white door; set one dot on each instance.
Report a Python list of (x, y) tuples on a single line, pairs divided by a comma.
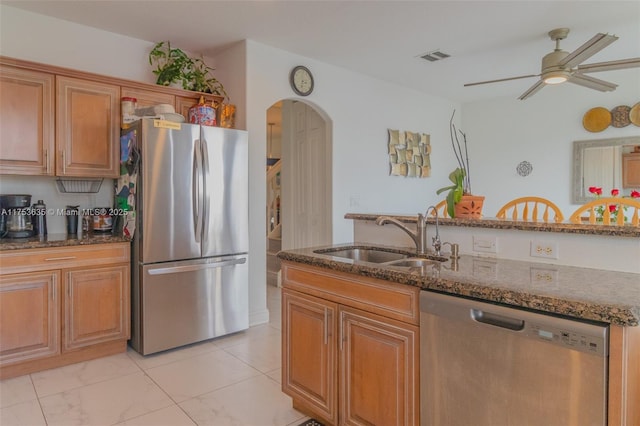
[(306, 178)]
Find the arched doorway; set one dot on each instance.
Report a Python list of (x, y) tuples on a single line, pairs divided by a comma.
[(299, 185)]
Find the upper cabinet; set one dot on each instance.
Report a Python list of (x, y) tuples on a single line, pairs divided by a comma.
[(87, 128), (64, 122), (26, 121)]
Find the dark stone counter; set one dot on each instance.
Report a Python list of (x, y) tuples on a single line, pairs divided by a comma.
[(59, 240), (584, 293)]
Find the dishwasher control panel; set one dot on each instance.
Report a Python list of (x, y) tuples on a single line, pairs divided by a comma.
[(569, 338)]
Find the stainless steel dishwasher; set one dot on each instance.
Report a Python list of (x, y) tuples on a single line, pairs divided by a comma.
[(484, 364)]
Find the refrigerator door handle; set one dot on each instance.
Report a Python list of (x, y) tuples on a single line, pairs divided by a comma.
[(196, 267), (205, 177), (197, 191)]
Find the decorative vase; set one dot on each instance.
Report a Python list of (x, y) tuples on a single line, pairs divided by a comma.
[(227, 114), (469, 207), (202, 114)]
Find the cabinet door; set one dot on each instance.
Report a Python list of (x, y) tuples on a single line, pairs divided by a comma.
[(309, 352), (147, 98), (87, 128), (378, 370), (26, 122), (631, 170), (29, 312), (96, 306)]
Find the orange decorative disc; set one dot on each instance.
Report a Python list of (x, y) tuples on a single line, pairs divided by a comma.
[(620, 116), (596, 119), (634, 114)]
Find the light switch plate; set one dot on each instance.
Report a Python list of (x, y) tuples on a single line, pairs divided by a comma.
[(485, 244)]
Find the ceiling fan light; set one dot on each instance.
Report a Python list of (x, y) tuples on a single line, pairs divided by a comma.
[(555, 77)]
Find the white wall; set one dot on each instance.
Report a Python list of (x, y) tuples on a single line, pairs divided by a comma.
[(503, 132)]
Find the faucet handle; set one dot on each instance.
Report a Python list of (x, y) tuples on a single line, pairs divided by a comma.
[(455, 248)]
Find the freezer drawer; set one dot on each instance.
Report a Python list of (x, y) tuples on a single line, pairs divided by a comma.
[(190, 301)]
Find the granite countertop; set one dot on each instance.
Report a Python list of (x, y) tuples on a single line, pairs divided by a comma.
[(59, 240), (584, 293), (494, 223)]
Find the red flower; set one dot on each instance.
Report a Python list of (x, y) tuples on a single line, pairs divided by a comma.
[(635, 194), (595, 190), (614, 192), (612, 208)]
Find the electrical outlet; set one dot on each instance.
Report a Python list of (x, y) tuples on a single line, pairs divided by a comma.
[(485, 244), (544, 276), (544, 249)]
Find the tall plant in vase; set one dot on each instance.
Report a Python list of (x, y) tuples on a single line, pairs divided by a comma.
[(460, 202)]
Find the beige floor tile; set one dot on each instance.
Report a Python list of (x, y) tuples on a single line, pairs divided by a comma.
[(16, 390), (73, 376), (258, 331), (166, 357), (276, 375), (261, 353), (105, 403), (253, 402), (170, 416), (200, 374), (22, 414)]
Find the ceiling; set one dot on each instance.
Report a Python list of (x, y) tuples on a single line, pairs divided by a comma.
[(384, 39)]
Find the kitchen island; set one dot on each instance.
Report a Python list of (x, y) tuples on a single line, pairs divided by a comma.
[(607, 297)]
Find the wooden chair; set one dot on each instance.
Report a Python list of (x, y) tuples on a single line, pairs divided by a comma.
[(441, 208), (587, 212), (528, 206)]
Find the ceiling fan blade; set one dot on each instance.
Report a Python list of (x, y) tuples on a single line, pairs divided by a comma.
[(501, 79), (610, 65), (587, 50), (533, 89), (592, 83)]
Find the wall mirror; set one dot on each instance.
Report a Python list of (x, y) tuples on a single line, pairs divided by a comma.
[(600, 163)]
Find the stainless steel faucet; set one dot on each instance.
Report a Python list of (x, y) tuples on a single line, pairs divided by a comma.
[(419, 237), (436, 243)]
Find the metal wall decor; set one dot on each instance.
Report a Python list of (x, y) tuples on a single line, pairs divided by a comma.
[(409, 154), (524, 168), (599, 118)]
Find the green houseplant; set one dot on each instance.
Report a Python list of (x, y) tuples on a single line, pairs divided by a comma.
[(174, 66), (461, 179)]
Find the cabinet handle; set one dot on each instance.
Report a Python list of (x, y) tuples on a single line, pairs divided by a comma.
[(51, 259), (327, 319), (46, 161), (64, 163)]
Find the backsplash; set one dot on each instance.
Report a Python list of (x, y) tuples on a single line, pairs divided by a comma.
[(44, 188), (613, 253)]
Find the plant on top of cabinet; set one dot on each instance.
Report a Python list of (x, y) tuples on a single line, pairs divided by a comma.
[(174, 66)]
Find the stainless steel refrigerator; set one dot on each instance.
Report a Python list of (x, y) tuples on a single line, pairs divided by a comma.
[(190, 245)]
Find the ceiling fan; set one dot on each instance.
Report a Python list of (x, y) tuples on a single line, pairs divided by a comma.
[(560, 66)]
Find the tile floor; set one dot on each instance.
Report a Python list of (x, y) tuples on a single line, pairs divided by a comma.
[(232, 380)]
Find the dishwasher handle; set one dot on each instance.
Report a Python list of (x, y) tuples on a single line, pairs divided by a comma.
[(497, 320)]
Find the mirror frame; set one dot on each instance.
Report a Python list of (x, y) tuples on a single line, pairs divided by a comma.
[(578, 157)]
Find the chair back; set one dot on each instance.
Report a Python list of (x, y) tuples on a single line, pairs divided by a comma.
[(607, 212), (441, 208), (531, 209)]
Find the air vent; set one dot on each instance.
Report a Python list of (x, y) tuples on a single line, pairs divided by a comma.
[(436, 55)]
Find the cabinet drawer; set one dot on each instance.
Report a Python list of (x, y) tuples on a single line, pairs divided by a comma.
[(397, 301), (28, 260)]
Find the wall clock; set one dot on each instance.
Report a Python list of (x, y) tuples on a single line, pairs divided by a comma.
[(301, 80)]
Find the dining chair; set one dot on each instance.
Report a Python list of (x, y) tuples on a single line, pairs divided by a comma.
[(441, 208), (531, 209), (606, 211)]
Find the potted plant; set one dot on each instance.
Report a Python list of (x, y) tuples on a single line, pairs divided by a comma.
[(460, 202), (174, 67)]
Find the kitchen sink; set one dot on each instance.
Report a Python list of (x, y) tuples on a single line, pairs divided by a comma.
[(414, 262), (372, 255)]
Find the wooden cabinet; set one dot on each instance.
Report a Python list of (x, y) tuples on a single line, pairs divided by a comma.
[(309, 352), (87, 128), (26, 121), (74, 306), (95, 308), (631, 170), (147, 98), (350, 351), (29, 312)]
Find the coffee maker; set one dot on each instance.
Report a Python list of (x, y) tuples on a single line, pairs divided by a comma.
[(16, 220)]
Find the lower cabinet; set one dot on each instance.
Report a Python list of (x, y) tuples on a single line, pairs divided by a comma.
[(75, 306), (344, 361)]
